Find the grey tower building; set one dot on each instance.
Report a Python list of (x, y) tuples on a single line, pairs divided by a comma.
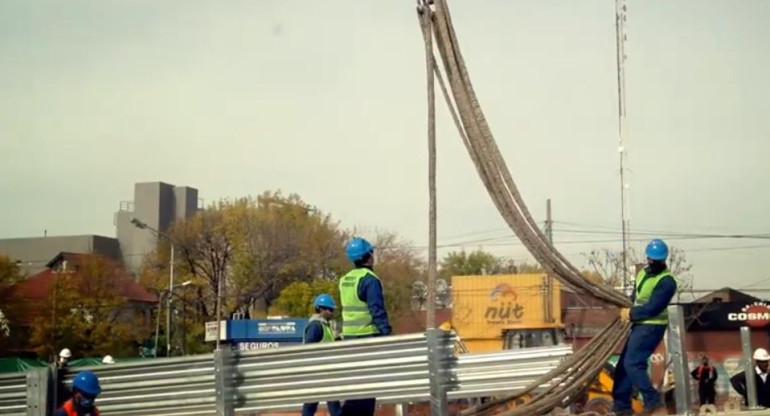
[(158, 205)]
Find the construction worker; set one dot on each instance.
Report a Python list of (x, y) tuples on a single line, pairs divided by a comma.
[(319, 329), (85, 389), (64, 357), (61, 393), (738, 381), (654, 289), (707, 376), (363, 309)]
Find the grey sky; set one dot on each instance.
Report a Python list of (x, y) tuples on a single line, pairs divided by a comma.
[(326, 99)]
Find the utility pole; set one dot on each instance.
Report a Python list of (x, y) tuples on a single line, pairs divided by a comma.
[(548, 295), (620, 39), (169, 300), (426, 22), (548, 221)]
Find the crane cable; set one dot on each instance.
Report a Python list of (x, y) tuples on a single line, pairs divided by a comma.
[(574, 374)]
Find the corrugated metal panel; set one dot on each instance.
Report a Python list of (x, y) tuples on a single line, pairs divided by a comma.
[(483, 306), (160, 387), (503, 372), (13, 394), (483, 345), (392, 369)]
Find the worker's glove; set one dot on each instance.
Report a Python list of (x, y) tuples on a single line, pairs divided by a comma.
[(625, 314)]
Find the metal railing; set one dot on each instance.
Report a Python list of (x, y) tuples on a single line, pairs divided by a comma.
[(13, 394), (503, 372), (397, 369), (163, 387)]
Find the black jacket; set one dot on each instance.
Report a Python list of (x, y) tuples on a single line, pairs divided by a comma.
[(763, 388), (705, 375)]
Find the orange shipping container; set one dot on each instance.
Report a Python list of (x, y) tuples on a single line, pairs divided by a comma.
[(485, 306)]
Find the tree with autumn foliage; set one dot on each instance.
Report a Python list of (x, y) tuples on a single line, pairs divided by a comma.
[(87, 313), (396, 263), (11, 308), (255, 247)]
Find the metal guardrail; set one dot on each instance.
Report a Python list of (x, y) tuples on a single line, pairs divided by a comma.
[(163, 387), (13, 394), (395, 369), (503, 372)]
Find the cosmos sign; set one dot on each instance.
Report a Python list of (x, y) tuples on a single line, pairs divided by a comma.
[(506, 310), (756, 315)]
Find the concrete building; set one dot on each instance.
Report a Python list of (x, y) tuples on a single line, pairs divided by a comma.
[(35, 252), (157, 204)]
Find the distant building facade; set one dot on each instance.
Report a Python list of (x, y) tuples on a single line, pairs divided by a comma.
[(157, 204)]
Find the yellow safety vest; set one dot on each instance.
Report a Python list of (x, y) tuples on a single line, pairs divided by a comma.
[(356, 319), (645, 285), (327, 328)]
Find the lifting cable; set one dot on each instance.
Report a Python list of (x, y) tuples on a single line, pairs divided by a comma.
[(572, 377)]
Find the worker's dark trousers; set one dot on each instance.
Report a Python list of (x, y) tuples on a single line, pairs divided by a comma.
[(631, 370), (309, 409), (707, 393), (360, 407)]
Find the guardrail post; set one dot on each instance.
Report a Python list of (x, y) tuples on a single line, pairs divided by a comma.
[(748, 367), (439, 356), (37, 391), (678, 355), (223, 370)]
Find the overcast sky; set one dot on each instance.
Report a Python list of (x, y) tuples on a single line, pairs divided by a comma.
[(327, 99)]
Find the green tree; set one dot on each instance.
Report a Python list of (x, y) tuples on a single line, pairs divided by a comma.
[(296, 299), (480, 262)]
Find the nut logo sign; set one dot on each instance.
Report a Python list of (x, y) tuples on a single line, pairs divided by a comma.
[(755, 315), (507, 310)]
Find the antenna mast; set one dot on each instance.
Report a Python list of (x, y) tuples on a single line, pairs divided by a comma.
[(620, 33)]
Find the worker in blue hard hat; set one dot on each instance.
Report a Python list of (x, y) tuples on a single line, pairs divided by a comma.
[(363, 309), (85, 389), (319, 329), (654, 288)]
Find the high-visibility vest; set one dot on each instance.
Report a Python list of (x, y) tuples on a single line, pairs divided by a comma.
[(356, 319), (327, 328), (645, 285), (69, 407)]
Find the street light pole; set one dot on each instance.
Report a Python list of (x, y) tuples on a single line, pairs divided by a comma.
[(169, 293), (157, 324), (143, 226), (168, 306)]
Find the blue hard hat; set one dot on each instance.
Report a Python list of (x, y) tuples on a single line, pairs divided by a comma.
[(87, 382), (656, 250), (358, 248), (324, 300)]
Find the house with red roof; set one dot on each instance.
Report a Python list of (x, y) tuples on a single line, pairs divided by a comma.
[(37, 292)]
